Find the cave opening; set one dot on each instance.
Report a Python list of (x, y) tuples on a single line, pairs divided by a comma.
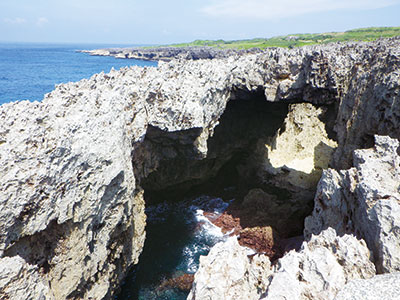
[(229, 162), (235, 185)]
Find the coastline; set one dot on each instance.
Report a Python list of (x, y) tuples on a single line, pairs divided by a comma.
[(168, 53)]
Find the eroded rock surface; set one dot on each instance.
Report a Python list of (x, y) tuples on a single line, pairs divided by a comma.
[(228, 273), (74, 166), (318, 271), (22, 281), (297, 155), (383, 287), (364, 200)]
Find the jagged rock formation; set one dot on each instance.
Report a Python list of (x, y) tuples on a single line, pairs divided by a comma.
[(75, 167), (365, 200), (20, 280), (318, 271), (227, 273)]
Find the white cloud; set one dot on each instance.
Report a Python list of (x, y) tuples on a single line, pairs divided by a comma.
[(275, 10), (41, 21), (16, 20)]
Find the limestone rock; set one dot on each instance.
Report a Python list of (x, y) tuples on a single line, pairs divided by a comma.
[(318, 271), (292, 160), (19, 280), (227, 273), (68, 201), (169, 53), (364, 200), (299, 153), (370, 105), (379, 287)]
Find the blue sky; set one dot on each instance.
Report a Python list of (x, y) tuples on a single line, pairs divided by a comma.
[(160, 22)]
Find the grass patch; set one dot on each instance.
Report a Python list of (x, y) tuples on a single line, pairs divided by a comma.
[(301, 39)]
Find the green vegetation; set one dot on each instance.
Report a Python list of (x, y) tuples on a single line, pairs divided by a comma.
[(296, 40)]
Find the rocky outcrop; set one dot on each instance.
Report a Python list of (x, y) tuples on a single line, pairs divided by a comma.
[(76, 166), (365, 200), (227, 273), (69, 207), (318, 271), (169, 53), (369, 105)]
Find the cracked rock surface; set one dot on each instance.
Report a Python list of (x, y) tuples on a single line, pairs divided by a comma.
[(318, 271), (365, 200)]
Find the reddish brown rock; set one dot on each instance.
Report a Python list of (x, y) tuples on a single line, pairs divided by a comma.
[(225, 221), (183, 282), (261, 239)]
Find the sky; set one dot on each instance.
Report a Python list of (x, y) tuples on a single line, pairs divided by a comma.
[(162, 22)]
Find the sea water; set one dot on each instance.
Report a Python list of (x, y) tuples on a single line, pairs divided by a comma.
[(30, 70), (177, 234)]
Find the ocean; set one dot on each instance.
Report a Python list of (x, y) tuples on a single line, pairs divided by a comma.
[(30, 70)]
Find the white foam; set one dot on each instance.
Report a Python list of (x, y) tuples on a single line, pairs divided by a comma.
[(207, 225), (206, 234)]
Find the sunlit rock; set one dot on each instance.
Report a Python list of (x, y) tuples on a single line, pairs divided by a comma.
[(364, 200)]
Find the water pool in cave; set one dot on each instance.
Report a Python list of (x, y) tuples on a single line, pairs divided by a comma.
[(177, 234)]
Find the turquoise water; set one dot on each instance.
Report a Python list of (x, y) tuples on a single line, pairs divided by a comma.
[(176, 235), (28, 71)]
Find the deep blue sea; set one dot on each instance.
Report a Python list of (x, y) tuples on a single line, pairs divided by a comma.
[(28, 70)]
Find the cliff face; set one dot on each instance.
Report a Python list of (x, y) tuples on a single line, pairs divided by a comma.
[(74, 167)]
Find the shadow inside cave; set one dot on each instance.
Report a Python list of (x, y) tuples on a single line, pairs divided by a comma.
[(235, 164), (168, 168)]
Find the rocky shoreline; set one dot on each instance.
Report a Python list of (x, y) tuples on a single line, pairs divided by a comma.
[(309, 136), (169, 53)]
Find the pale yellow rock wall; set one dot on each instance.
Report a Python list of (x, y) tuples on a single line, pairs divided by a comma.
[(302, 149)]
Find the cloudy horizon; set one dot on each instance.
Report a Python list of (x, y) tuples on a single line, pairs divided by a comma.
[(175, 21)]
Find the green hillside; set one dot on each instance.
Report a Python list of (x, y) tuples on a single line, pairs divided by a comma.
[(301, 39)]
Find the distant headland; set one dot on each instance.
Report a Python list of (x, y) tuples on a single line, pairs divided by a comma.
[(209, 49)]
